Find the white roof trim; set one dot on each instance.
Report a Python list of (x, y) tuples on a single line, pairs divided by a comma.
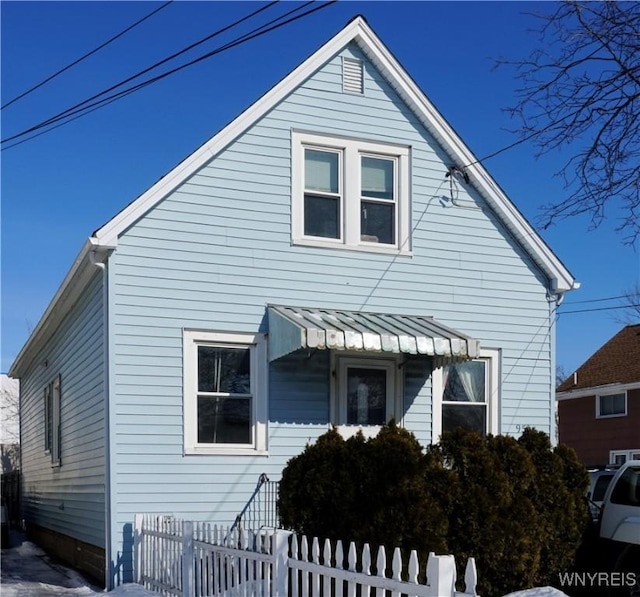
[(360, 32), (68, 293), (612, 388)]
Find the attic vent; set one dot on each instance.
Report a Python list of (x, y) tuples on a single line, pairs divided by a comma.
[(352, 80)]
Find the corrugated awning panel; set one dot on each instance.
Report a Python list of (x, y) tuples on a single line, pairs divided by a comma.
[(293, 328)]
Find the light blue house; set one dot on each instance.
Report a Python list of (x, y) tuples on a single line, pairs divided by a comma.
[(334, 256)]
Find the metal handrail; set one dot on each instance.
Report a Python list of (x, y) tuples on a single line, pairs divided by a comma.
[(261, 508)]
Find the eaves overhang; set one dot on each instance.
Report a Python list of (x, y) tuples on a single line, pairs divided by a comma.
[(74, 283), (611, 388)]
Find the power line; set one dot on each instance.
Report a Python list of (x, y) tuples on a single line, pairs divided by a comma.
[(78, 107), (85, 56), (598, 300), (632, 306), (531, 135), (263, 29)]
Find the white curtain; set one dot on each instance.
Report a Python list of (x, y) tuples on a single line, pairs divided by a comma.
[(472, 376), (465, 382)]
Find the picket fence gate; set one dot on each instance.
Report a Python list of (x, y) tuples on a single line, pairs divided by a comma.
[(190, 559)]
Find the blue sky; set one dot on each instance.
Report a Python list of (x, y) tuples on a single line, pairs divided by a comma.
[(59, 187)]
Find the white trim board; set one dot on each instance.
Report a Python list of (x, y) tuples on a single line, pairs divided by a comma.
[(612, 388)]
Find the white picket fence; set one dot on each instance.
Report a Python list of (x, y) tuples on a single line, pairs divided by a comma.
[(186, 559)]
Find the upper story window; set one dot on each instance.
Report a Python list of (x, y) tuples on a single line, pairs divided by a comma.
[(349, 193), (465, 394), (225, 407), (611, 405)]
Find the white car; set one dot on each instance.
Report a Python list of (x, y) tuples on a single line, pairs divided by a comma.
[(620, 523)]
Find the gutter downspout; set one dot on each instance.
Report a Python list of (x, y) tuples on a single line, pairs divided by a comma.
[(102, 266), (555, 299)]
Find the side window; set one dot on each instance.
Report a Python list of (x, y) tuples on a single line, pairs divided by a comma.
[(601, 487), (465, 394), (225, 408), (611, 405), (52, 422), (48, 418)]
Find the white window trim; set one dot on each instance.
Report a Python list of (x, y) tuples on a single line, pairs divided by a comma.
[(52, 408), (338, 410), (613, 416), (351, 149), (492, 356), (259, 388), (56, 448), (628, 454)]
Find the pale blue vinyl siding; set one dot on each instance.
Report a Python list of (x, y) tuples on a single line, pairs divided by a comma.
[(216, 251), (69, 499), (417, 397)]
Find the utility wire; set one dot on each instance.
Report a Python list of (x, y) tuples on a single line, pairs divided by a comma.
[(531, 135), (263, 29), (633, 306), (85, 56), (78, 107), (598, 300)]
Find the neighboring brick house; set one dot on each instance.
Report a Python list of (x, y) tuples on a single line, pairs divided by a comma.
[(599, 404)]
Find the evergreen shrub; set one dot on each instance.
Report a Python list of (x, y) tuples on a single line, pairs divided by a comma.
[(517, 506)]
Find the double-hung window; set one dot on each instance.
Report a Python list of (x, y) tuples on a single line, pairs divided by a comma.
[(349, 193), (224, 393), (465, 394), (52, 423)]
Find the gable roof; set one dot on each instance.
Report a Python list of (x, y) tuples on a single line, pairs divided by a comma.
[(358, 31), (616, 362)]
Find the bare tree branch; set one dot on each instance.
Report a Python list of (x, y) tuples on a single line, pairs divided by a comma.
[(9, 412), (581, 89), (631, 306)]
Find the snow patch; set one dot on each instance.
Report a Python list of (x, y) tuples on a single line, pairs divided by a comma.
[(130, 591), (27, 549), (538, 592)]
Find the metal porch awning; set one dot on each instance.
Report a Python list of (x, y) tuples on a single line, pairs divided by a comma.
[(293, 328)]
